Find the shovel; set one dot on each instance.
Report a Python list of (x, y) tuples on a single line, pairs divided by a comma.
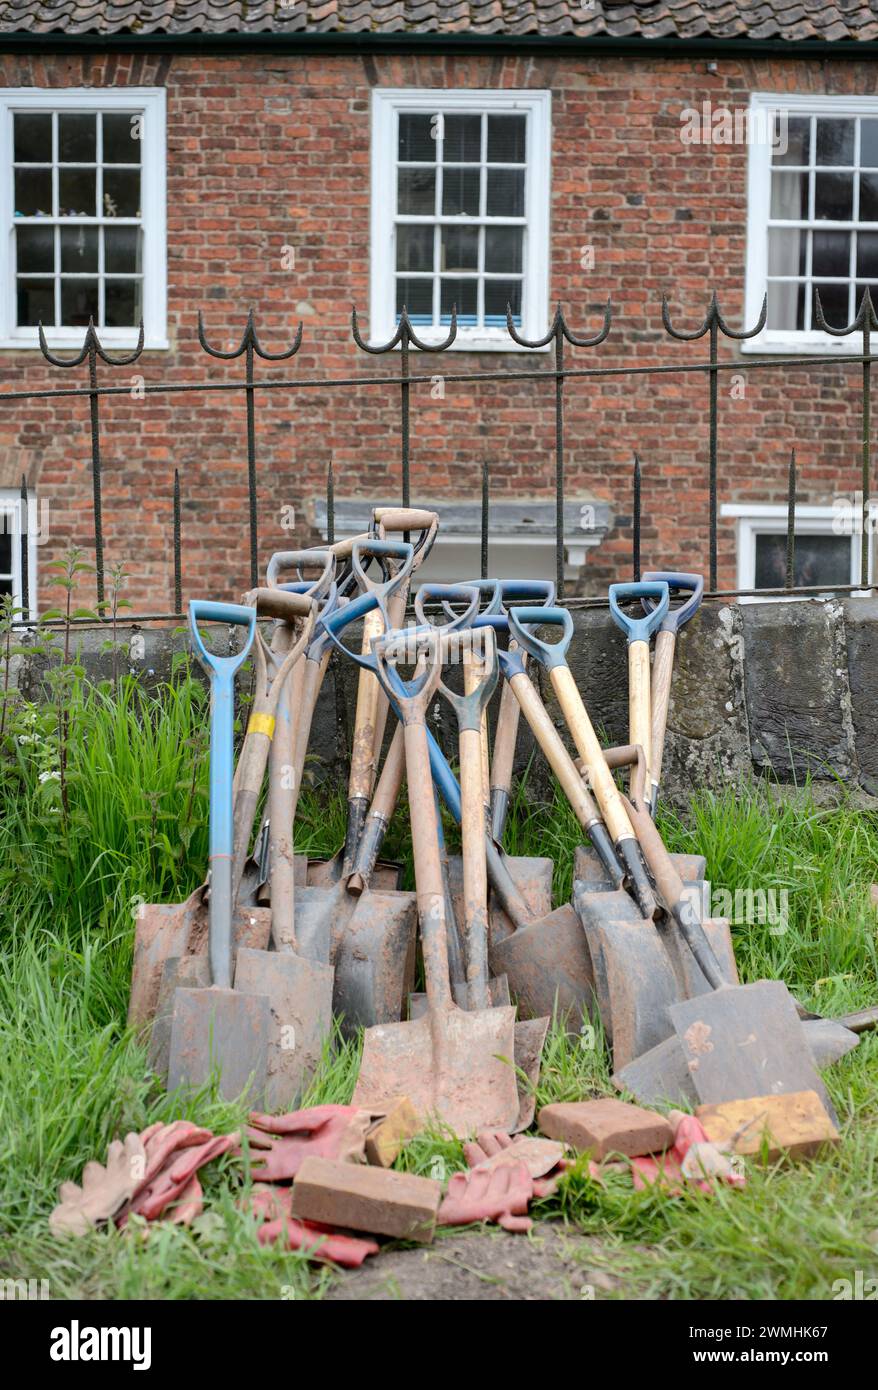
[(638, 632), (553, 657), (217, 1027), (663, 660), (371, 944), (452, 1063), (480, 991), (299, 991)]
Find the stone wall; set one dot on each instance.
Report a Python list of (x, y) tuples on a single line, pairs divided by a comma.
[(782, 688)]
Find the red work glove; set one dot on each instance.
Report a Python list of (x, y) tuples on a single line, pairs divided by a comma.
[(544, 1158), (499, 1193), (693, 1159), (320, 1242), (173, 1183), (327, 1131)]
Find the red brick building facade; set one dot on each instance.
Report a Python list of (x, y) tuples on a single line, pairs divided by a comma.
[(268, 167)]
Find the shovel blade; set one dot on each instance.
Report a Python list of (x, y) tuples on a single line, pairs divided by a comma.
[(299, 994), (185, 972), (641, 986), (220, 1030), (549, 967), (166, 932), (745, 1041), (455, 1065), (530, 1038)]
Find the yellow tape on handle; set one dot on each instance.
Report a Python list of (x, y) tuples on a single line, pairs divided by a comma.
[(261, 724)]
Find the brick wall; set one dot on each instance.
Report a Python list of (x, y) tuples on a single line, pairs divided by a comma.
[(268, 152)]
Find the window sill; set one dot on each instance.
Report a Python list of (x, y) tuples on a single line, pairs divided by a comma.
[(74, 343), (804, 345), (464, 343)]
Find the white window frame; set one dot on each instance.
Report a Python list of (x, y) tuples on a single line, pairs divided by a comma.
[(758, 217), (387, 103), (13, 521), (148, 101), (770, 519)]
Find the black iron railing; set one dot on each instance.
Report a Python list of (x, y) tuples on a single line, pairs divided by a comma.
[(556, 375)]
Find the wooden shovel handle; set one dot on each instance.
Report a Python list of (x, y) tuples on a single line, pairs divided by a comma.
[(662, 670), (428, 866), (505, 739), (475, 867), (554, 751), (404, 519), (473, 674), (639, 706), (589, 749), (282, 780)]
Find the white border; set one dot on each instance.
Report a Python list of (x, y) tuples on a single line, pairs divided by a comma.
[(758, 204), (152, 102), (386, 103), (10, 505)]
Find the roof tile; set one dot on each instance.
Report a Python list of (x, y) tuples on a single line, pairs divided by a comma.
[(650, 19)]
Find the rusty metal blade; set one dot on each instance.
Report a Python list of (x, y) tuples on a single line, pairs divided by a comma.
[(299, 993), (220, 1030), (549, 967), (452, 1064)]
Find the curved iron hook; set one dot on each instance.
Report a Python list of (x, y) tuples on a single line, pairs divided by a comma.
[(404, 334), (712, 319), (250, 339), (866, 309), (559, 330), (91, 345)]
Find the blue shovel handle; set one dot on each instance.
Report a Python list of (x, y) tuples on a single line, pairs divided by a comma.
[(491, 587), (448, 594), (532, 591), (548, 654), (221, 670), (678, 583), (381, 550), (639, 629)]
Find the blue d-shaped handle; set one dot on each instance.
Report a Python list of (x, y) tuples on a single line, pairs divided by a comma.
[(541, 591), (549, 654), (237, 614), (639, 629), (677, 582)]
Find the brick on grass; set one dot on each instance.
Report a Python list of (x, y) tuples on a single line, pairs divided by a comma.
[(796, 1124), (386, 1137), (360, 1198), (607, 1126)]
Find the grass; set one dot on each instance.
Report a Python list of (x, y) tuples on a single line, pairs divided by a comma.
[(73, 1078)]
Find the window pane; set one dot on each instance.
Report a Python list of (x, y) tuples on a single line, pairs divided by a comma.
[(505, 193), (786, 251), (460, 248), (33, 138), (818, 560), (417, 137), (122, 249), (33, 193), (122, 303), (6, 543), (833, 197), (869, 144), (831, 253), (121, 193), (35, 248), (460, 192), (77, 192), (77, 138), (417, 191), (789, 196), (79, 302), (798, 141), (462, 140), (417, 297), (36, 303), (507, 136), (786, 305), (869, 197), (414, 248), (867, 254), (503, 248), (121, 139), (835, 142), (834, 300), (5, 586), (499, 293), (464, 294), (79, 249)]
